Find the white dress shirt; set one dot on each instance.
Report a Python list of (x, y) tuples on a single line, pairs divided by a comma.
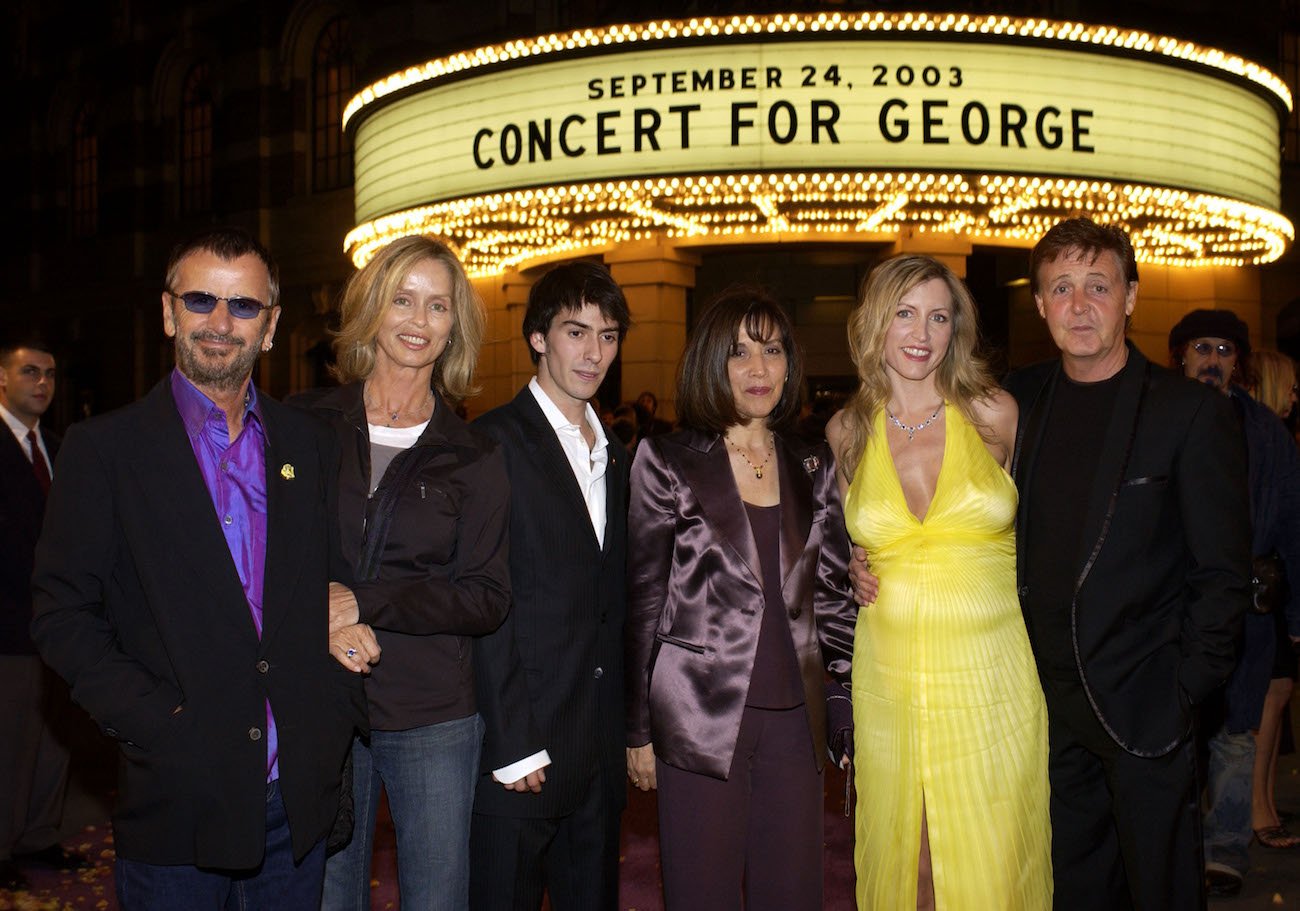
[(588, 463), (19, 430)]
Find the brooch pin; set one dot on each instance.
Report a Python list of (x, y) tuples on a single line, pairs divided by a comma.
[(286, 471), (811, 464)]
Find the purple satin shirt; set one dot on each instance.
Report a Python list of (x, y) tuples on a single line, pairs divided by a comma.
[(235, 474)]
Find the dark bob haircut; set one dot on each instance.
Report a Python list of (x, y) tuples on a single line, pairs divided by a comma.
[(704, 397), (571, 287), (1089, 238)]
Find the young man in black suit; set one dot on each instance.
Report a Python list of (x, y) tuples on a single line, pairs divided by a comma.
[(33, 760), (550, 680), (181, 587)]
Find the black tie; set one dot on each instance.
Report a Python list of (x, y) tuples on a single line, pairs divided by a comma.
[(39, 467)]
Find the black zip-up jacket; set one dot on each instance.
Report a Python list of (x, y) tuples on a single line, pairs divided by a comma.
[(442, 573)]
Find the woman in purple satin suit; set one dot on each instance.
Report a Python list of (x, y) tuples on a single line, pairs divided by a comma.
[(738, 605)]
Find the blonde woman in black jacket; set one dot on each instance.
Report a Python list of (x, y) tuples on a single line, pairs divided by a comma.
[(423, 516)]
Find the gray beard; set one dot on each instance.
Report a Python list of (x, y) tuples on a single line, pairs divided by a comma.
[(226, 378)]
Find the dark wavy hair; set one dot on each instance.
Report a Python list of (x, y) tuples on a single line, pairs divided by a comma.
[(569, 287), (704, 397)]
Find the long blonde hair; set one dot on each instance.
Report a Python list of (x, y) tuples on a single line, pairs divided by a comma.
[(1276, 377), (370, 291), (961, 377)]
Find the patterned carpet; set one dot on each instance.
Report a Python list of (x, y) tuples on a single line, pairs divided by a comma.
[(92, 889), (1273, 883)]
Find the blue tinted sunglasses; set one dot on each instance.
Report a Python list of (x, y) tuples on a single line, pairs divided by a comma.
[(203, 302)]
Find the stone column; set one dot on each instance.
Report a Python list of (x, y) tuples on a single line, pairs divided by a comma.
[(504, 365), (1167, 293), (949, 249)]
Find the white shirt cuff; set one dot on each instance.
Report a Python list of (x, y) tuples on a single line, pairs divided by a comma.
[(517, 770)]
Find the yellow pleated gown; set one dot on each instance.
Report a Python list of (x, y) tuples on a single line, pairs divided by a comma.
[(948, 712)]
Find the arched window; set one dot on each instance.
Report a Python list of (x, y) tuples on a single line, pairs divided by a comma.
[(85, 174), (332, 76), (196, 141)]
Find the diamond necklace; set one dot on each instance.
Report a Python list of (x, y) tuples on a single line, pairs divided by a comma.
[(758, 469), (909, 429)]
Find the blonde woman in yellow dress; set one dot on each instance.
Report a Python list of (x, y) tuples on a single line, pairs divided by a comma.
[(950, 726)]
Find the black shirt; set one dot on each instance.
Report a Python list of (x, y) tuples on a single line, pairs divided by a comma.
[(774, 683), (1058, 498)]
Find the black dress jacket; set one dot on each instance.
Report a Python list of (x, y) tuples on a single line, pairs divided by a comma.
[(1163, 583), (552, 676), (139, 607), (22, 507), (443, 569)]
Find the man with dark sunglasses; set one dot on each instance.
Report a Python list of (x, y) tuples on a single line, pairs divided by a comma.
[(181, 587), (1213, 347)]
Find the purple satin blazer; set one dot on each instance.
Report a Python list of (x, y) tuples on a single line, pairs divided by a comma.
[(695, 594)]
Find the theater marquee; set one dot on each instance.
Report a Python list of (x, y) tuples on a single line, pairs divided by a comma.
[(823, 127)]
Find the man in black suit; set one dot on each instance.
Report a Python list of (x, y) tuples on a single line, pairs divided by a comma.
[(1134, 554), (33, 760), (550, 680), (181, 587)]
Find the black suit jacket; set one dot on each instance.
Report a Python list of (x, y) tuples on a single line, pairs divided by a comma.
[(552, 676), (1159, 596), (138, 605), (22, 507)]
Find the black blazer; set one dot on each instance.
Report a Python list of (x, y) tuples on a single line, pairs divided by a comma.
[(443, 573), (1159, 597), (139, 607), (22, 507), (552, 676)]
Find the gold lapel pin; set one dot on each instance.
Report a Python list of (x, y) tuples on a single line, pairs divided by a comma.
[(286, 471)]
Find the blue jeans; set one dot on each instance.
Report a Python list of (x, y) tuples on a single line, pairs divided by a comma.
[(429, 774), (1227, 821), (277, 885)]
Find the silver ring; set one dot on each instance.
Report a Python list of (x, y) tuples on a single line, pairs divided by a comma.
[(351, 653)]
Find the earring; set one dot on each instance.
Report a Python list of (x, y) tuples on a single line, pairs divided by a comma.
[(268, 346)]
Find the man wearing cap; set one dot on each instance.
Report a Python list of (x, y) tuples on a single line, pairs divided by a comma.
[(1213, 347)]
